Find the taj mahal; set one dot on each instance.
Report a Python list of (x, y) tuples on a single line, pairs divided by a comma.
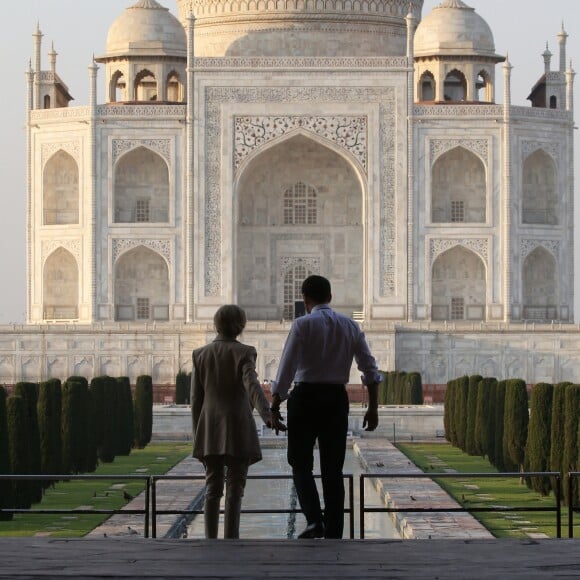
[(243, 145)]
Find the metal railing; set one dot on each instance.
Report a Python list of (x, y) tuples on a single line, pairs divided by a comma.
[(155, 512), (572, 476), (145, 512), (150, 511), (555, 474)]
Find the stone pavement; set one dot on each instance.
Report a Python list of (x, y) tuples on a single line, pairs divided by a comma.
[(380, 456), (171, 495)]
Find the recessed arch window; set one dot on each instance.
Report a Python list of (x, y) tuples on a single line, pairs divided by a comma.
[(455, 87), (60, 190), (540, 286), (141, 188), (145, 86), (174, 88), (60, 286), (553, 102), (300, 205), (427, 87), (540, 203), (47, 101), (118, 88), (293, 278)]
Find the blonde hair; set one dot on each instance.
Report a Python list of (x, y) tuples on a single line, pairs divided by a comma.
[(230, 320)]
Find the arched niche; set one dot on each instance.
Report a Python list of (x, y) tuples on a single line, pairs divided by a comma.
[(458, 286), (145, 86), (458, 188), (427, 87), (118, 88), (142, 290), (60, 190), (174, 87), (60, 291), (540, 204), (483, 87), (141, 188), (540, 286), (298, 171), (47, 101), (455, 86)]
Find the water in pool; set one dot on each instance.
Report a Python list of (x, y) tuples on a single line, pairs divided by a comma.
[(279, 494)]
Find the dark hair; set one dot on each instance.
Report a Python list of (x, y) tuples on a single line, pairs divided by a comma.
[(229, 320), (317, 288)]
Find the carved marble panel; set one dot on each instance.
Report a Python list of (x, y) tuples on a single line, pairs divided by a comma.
[(162, 247), (440, 146), (349, 133), (161, 146), (440, 245), (49, 246), (552, 148), (528, 246), (73, 148)]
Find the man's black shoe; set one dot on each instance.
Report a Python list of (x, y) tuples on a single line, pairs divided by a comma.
[(315, 530)]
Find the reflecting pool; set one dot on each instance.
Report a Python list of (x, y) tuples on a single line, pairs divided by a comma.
[(280, 494)]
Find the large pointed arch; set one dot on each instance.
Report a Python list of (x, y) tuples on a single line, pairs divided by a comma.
[(540, 286), (540, 199), (458, 188), (60, 190), (458, 286), (60, 289), (141, 187), (142, 288), (330, 243)]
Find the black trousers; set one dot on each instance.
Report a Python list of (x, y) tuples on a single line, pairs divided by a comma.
[(319, 412)]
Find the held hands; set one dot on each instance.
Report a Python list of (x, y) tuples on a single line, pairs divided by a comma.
[(371, 419), (276, 422)]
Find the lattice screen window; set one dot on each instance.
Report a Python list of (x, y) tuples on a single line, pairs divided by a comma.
[(457, 211), (293, 279), (143, 309), (142, 211), (300, 206), (457, 308)]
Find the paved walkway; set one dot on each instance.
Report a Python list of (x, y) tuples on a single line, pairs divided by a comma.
[(379, 456), (376, 455)]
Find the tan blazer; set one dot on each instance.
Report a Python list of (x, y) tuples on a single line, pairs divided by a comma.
[(224, 390)]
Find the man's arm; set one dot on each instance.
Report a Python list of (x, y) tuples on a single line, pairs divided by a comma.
[(287, 368), (371, 418)]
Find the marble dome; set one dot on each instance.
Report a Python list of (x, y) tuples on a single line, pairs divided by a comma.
[(300, 28), (454, 29), (146, 29)]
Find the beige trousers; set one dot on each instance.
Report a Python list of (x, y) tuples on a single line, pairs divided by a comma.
[(232, 472)]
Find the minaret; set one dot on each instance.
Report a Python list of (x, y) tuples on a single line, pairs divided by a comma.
[(547, 60), (507, 193), (93, 72), (29, 108), (562, 39), (52, 59), (189, 172), (570, 74), (37, 65), (411, 27)]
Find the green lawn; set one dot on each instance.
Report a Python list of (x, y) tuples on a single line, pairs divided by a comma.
[(155, 459), (483, 492)]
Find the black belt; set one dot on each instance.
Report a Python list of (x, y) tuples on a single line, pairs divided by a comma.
[(333, 385)]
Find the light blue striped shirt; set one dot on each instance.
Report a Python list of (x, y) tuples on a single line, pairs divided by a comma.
[(320, 349)]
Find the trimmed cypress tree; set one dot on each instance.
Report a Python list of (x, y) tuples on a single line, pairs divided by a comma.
[(75, 426), (183, 389), (470, 444), (92, 459), (460, 415), (110, 425), (448, 410), (502, 462), (415, 388), (6, 487), (571, 425), (143, 411), (539, 433), (49, 427), (125, 418), (516, 419), (98, 398), (558, 430), (391, 388), (490, 447), (19, 464), (29, 394), (482, 414)]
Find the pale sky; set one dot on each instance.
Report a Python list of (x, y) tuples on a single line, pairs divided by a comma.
[(79, 29)]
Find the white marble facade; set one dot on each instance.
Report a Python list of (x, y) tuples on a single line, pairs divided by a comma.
[(245, 145)]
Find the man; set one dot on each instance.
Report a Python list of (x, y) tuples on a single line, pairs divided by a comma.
[(317, 357)]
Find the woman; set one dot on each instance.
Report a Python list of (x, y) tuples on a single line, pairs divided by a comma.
[(224, 390)]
